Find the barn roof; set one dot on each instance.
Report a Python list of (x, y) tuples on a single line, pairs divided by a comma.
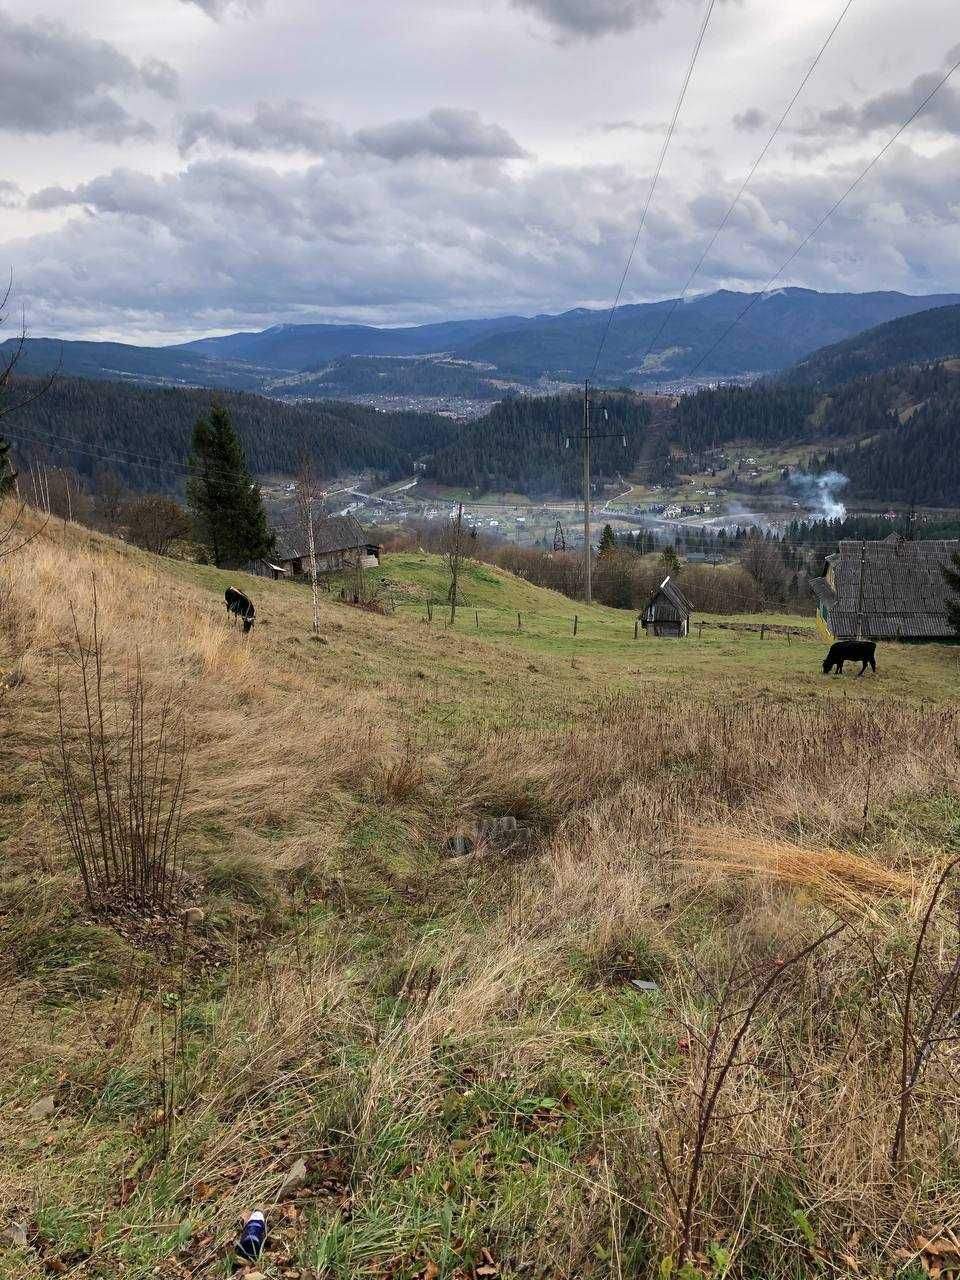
[(667, 604), (335, 533), (904, 592)]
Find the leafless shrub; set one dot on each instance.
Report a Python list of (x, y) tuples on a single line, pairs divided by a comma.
[(720, 1049), (117, 780), (929, 1008)]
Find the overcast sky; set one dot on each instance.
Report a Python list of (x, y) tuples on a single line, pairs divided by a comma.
[(180, 167)]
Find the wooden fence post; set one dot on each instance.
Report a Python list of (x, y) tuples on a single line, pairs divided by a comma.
[(429, 611), (476, 614), (763, 630), (519, 626), (636, 628), (576, 620), (699, 630)]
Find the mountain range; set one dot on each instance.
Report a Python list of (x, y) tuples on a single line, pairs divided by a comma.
[(484, 358)]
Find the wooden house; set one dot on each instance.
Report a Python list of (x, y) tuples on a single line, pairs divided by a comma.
[(339, 543), (889, 590), (667, 612)]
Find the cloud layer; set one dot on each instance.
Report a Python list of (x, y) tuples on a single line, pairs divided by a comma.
[(291, 126), (394, 163), (54, 80)]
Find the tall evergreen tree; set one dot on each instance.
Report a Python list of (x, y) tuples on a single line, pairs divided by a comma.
[(608, 542), (224, 501), (7, 473), (952, 575)]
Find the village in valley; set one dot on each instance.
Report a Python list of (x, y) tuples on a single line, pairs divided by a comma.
[(480, 641)]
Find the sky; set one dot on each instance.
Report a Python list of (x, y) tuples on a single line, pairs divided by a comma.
[(175, 168)]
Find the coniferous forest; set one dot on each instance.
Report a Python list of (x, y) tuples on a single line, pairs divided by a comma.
[(142, 434)]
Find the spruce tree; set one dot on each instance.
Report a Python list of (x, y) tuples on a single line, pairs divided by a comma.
[(608, 542), (7, 473), (952, 575), (224, 501)]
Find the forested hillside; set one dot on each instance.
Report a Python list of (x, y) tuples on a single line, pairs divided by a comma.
[(914, 339), (143, 433), (522, 445), (916, 460)]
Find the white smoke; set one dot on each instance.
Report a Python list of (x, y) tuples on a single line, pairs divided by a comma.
[(819, 493)]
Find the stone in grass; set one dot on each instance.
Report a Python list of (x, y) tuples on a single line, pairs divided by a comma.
[(644, 984), (43, 1108), (16, 1235), (294, 1180)]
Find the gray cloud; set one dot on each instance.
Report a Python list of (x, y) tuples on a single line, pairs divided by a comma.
[(752, 118), (10, 195), (281, 126), (218, 9), (54, 80), (592, 18), (891, 109), (444, 133)]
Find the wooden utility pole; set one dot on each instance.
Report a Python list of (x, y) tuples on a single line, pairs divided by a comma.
[(587, 563), (863, 557), (455, 564)]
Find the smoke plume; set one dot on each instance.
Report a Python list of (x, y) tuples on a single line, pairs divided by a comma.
[(819, 493)]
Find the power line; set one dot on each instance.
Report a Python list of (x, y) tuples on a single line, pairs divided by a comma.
[(826, 217), (656, 178), (746, 182)]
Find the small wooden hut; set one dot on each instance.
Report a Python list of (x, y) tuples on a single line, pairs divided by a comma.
[(667, 612)]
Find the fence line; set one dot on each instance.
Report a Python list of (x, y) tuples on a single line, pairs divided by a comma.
[(579, 627)]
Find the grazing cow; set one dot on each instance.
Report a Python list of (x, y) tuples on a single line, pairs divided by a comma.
[(240, 606), (863, 651)]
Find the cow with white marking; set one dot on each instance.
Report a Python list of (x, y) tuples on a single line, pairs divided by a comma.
[(240, 606)]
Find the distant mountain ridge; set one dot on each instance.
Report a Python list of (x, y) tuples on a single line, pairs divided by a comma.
[(778, 330)]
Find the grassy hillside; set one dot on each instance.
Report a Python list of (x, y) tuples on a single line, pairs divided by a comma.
[(424, 1065)]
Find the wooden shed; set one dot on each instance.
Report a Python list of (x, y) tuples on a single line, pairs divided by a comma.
[(667, 612), (339, 542)]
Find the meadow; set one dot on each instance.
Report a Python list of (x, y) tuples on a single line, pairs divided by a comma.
[(689, 1011)]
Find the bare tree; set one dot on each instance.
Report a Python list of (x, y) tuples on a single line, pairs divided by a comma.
[(452, 547), (308, 495), (109, 499), (762, 560), (12, 536), (155, 522)]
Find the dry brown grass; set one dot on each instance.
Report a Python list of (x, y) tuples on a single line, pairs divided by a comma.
[(833, 876), (374, 990)]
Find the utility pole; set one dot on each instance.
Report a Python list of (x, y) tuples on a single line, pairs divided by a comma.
[(863, 557), (587, 564)]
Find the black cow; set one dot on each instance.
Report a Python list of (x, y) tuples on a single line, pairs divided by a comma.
[(842, 651), (240, 606)]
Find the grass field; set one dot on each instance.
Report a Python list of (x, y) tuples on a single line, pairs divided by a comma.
[(424, 1057)]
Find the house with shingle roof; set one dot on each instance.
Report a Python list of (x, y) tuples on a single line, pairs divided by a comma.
[(889, 590)]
